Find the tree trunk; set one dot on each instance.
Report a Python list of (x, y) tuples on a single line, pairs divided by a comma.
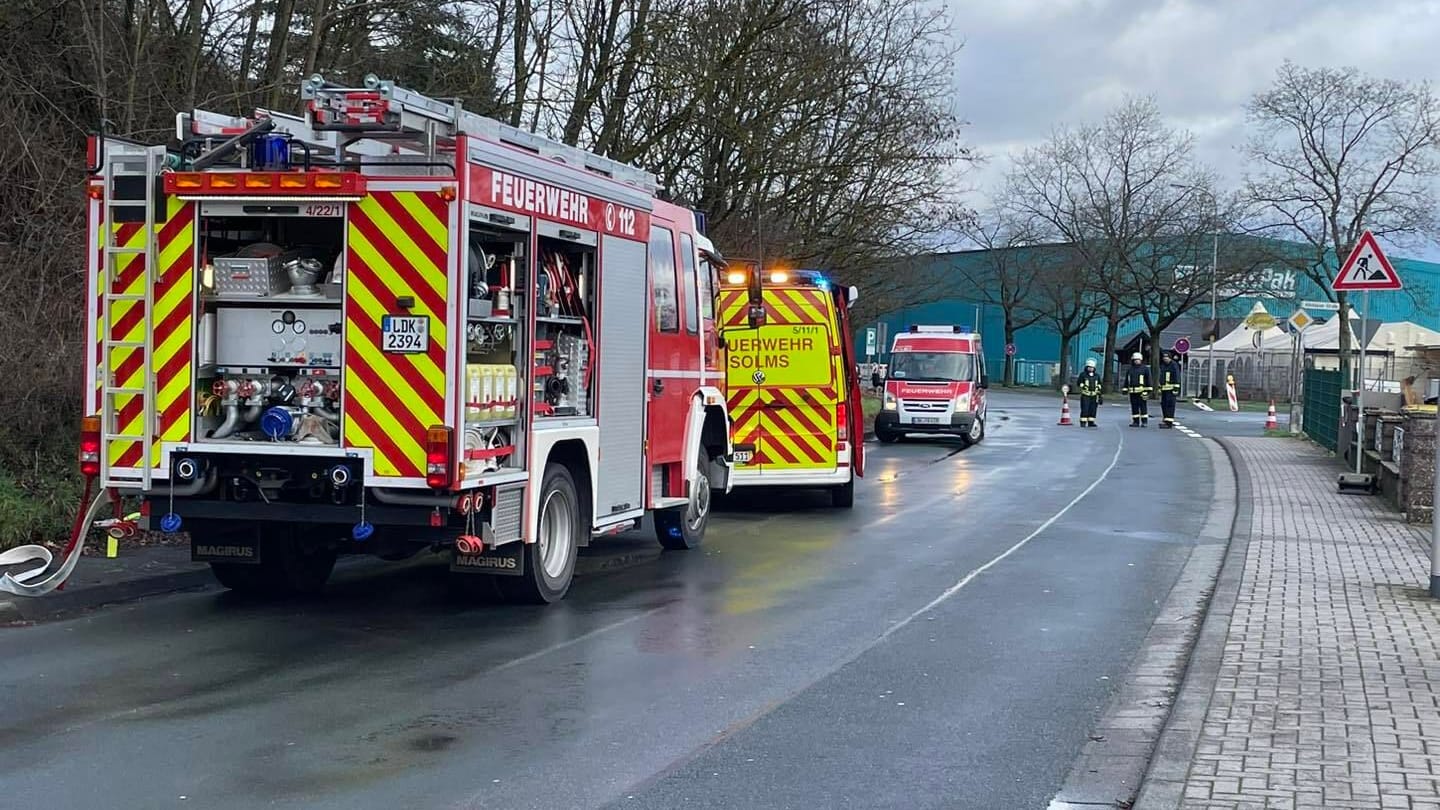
[(1110, 379), (247, 52), (1009, 378), (524, 10), (1065, 341), (1154, 333), (318, 13), (279, 44)]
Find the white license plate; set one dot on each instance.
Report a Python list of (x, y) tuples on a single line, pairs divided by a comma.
[(742, 456), (926, 420), (405, 334)]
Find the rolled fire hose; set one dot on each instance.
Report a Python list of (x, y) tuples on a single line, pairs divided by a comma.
[(33, 582)]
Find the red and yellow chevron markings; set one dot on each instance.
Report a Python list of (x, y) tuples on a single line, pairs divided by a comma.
[(799, 428), (172, 344), (398, 242)]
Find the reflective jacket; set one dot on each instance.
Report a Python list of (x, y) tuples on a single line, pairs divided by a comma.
[(1137, 379), (1088, 384), (1170, 377)]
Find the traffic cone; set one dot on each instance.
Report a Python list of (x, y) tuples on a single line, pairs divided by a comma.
[(1065, 411), (1270, 423)]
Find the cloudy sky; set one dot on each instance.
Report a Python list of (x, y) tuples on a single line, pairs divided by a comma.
[(1027, 65)]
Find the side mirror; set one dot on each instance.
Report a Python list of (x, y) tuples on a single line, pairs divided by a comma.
[(984, 380), (852, 294)]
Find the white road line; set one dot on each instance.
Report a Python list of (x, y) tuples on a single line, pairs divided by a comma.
[(970, 577)]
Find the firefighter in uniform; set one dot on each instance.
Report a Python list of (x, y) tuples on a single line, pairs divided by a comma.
[(1169, 388), (1137, 385), (1088, 384)]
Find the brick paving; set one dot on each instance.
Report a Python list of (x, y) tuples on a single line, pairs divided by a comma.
[(1328, 693)]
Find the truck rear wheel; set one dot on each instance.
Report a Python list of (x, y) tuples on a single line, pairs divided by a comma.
[(550, 560), (289, 564), (683, 527)]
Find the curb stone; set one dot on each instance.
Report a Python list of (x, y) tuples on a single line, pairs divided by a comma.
[(1130, 734), (1164, 783), (62, 603)]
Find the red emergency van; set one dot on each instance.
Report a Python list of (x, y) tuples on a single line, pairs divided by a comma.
[(935, 384)]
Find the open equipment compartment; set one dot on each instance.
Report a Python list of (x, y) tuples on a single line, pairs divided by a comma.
[(497, 262), (565, 351), (271, 326)]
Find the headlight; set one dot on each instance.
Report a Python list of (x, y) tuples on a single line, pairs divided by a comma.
[(962, 402), (890, 403)]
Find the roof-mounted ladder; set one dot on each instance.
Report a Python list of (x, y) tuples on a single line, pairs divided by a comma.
[(381, 109)]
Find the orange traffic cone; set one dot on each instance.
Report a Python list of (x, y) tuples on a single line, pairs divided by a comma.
[(1065, 411), (1270, 423)]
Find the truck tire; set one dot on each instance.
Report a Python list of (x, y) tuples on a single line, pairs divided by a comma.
[(843, 496), (683, 527), (549, 562), (290, 564), (886, 436)]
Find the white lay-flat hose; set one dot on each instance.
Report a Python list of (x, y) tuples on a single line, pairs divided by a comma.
[(30, 582)]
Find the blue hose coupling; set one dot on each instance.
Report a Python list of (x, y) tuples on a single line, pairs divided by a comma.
[(362, 530), (170, 523)]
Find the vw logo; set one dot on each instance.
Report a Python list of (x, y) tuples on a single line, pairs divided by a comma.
[(758, 376)]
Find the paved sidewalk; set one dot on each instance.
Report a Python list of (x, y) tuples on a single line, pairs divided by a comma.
[(1327, 693)]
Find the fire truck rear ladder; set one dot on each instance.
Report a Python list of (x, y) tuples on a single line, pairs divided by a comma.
[(147, 166)]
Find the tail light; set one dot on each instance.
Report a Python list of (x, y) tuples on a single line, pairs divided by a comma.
[(90, 446), (842, 423), (439, 457)]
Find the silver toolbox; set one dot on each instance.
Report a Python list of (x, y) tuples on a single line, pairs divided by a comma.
[(261, 277), (254, 336)]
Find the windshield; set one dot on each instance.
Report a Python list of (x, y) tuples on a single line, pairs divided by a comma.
[(936, 366)]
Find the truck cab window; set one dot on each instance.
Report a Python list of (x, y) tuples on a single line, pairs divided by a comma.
[(687, 261), (662, 280)]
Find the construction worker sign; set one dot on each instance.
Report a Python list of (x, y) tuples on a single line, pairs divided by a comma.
[(1366, 269)]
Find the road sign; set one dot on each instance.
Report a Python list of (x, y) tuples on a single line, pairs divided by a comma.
[(1366, 269), (1323, 306), (1260, 320), (1010, 349), (870, 341), (1182, 346), (1300, 319)]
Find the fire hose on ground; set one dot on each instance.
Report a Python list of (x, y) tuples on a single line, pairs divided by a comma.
[(34, 581)]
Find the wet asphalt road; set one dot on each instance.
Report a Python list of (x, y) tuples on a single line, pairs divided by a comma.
[(806, 657)]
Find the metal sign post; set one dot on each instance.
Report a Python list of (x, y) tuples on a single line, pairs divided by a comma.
[(1364, 270), (1360, 393)]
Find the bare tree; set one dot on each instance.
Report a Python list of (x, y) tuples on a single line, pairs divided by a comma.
[(1117, 193), (1335, 152), (1004, 272), (1064, 291)]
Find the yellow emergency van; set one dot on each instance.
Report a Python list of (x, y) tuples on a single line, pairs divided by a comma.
[(791, 380)]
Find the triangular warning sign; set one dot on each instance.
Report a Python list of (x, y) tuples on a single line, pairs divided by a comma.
[(1366, 269)]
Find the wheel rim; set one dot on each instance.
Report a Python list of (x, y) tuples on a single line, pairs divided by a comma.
[(975, 429), (557, 528), (699, 503)]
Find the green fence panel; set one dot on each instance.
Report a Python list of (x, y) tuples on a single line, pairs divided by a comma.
[(1322, 406)]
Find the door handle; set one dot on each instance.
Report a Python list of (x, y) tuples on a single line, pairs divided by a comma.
[(657, 385)]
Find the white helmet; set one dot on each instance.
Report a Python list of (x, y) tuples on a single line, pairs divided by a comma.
[(1090, 362), (1137, 356)]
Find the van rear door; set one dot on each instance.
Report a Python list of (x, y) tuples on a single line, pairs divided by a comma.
[(795, 369)]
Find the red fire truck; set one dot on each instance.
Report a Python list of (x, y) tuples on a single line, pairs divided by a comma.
[(390, 325)]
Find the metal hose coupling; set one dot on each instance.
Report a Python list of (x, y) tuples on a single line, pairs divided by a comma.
[(469, 544)]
